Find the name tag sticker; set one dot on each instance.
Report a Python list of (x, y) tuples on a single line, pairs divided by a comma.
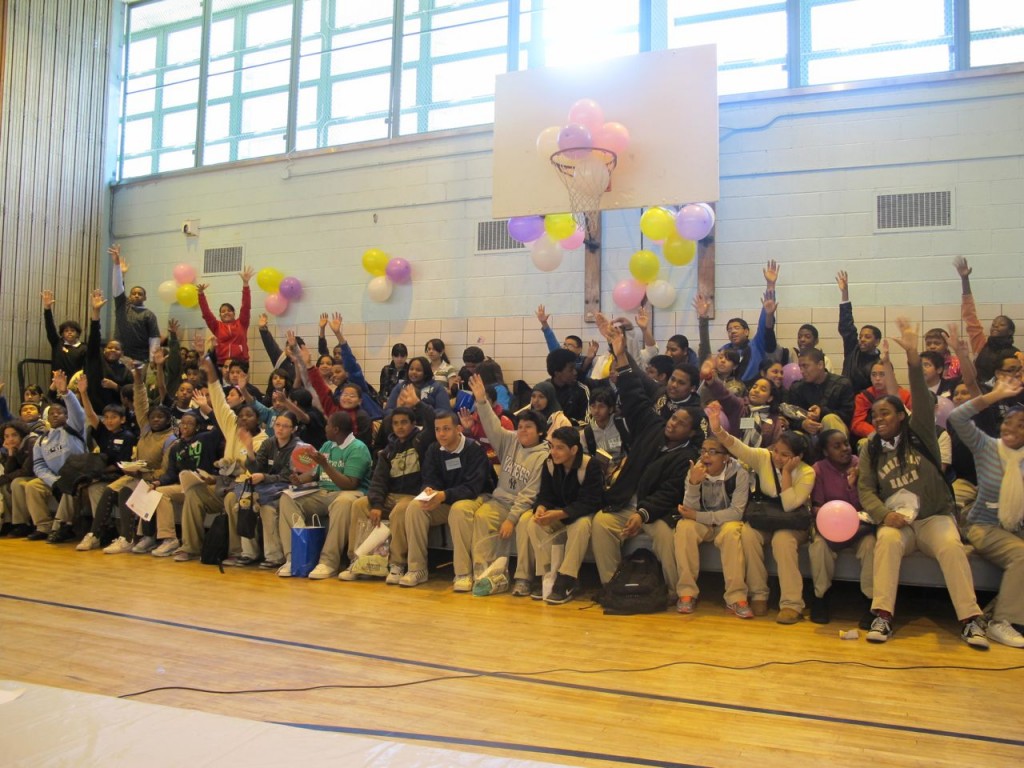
[(452, 464), (747, 422)]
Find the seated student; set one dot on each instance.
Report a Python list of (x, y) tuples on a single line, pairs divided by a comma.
[(269, 470), (572, 343), (781, 473), (604, 430), (572, 396), (16, 453), (902, 488), (678, 348), (571, 493), (860, 349), (806, 338), (835, 479), (715, 498), (343, 470), (456, 473), (231, 332), (772, 370), (65, 438), (238, 376), (471, 426), (965, 484), (135, 326), (477, 524), (312, 424), (397, 478), (239, 424), (421, 376), (31, 412), (493, 377), (102, 364), (937, 340), (350, 369), (726, 363), (155, 440), (649, 485), (994, 522), (67, 352), (659, 368), (862, 426), (280, 384), (1008, 368), (990, 350), (349, 400), (754, 419), (933, 365), (115, 444), (443, 370), (680, 391), (394, 371), (543, 402), (471, 358), (827, 398)]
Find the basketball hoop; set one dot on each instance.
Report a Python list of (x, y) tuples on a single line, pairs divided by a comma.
[(587, 174)]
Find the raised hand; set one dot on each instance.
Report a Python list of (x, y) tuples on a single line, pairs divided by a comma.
[(59, 382), (642, 319), (97, 301), (592, 348), (323, 322), (603, 324), (82, 385), (883, 355), (246, 275), (290, 340), (201, 287), (618, 341), (908, 337), (262, 320), (769, 303), (714, 412), (48, 300), (466, 418), (476, 386), (1006, 388), (408, 397), (961, 266), (115, 256), (336, 323), (173, 327), (201, 399), (198, 341), (771, 273), (159, 357), (542, 316), (702, 305)]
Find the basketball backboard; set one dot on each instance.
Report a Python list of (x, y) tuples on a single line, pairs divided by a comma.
[(668, 100)]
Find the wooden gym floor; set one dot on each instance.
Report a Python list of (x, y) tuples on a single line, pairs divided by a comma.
[(509, 676)]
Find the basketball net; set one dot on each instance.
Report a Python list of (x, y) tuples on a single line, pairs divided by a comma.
[(587, 174)]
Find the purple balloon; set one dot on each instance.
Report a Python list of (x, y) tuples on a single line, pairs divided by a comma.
[(399, 270), (575, 136), (526, 229), (723, 420), (694, 222), (290, 288), (791, 373), (943, 408)]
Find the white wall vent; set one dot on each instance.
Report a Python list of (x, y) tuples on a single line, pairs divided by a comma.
[(221, 260), (492, 236), (914, 210)]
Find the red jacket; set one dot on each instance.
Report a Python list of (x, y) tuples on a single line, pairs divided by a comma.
[(232, 338), (861, 425)]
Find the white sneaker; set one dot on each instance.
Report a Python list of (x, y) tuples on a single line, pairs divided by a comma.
[(285, 570), (119, 546), (463, 583), (89, 541), (1003, 632), (144, 545), (413, 578), (322, 572), (395, 574), (347, 575), (167, 548)]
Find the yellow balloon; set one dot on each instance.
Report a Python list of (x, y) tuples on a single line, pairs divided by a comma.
[(188, 295), (657, 223), (644, 266), (559, 225), (375, 261), (678, 250), (269, 279)]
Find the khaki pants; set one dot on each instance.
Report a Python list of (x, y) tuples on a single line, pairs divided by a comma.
[(476, 537), (410, 526), (164, 514), (785, 550), (575, 537), (688, 537), (301, 511), (936, 536), (606, 540), (339, 512), (32, 497), (359, 526), (198, 502), (823, 563), (1006, 550)]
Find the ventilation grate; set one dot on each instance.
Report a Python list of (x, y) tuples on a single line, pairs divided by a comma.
[(914, 210), (494, 236), (217, 260)]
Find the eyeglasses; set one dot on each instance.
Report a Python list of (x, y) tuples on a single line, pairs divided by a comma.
[(1010, 371), (712, 452)]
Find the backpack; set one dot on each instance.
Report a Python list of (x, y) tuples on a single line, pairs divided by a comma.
[(215, 545), (638, 586), (581, 470)]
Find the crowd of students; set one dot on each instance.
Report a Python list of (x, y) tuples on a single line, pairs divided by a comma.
[(621, 439)]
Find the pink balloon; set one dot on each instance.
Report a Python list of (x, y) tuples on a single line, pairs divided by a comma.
[(791, 373), (837, 521), (943, 408), (184, 273), (588, 113), (613, 136), (694, 222), (575, 240), (399, 270), (575, 136), (291, 289), (628, 294), (276, 304)]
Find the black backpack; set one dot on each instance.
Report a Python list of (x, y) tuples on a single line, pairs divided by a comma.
[(215, 545), (638, 586)]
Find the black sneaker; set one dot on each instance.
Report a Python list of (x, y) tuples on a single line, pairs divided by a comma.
[(537, 590), (562, 591), (37, 536), (881, 630), (61, 534), (867, 619), (973, 633), (19, 531), (5, 529), (819, 609)]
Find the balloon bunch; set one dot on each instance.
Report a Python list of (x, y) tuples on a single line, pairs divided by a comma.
[(585, 129), (386, 271), (677, 233), (280, 290), (181, 289), (547, 236)]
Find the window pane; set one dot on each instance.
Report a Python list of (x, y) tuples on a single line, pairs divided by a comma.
[(264, 113), (218, 122), (138, 136), (875, 65), (1001, 50), (181, 87), (175, 161), (467, 79), (997, 32), (142, 55), (574, 34), (179, 129), (183, 47), (267, 145), (269, 26), (216, 153), (222, 37), (142, 97), (266, 69)]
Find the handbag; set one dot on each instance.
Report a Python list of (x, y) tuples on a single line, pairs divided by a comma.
[(248, 512), (307, 542), (765, 513)]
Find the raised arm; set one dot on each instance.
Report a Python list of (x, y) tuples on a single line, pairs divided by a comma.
[(549, 335), (968, 309), (968, 373), (847, 327), (702, 304), (246, 308), (83, 390)]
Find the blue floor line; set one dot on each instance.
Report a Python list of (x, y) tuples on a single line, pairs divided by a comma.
[(518, 677)]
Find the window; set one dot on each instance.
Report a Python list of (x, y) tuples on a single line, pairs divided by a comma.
[(997, 32)]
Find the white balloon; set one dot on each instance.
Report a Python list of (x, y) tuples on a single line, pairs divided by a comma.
[(379, 289), (592, 176), (661, 294), (547, 142), (168, 291), (546, 254)]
